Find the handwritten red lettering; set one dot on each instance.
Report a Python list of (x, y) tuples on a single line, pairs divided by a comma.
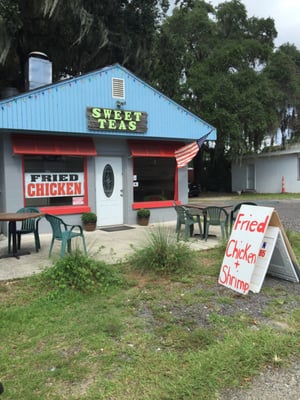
[(229, 279), (250, 225), (240, 253)]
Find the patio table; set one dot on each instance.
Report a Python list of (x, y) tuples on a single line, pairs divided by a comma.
[(12, 219), (199, 209)]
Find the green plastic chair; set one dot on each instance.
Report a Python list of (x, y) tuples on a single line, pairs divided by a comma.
[(235, 211), (64, 233), (184, 217), (216, 216), (27, 226)]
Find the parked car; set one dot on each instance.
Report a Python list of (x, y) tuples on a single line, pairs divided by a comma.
[(194, 189)]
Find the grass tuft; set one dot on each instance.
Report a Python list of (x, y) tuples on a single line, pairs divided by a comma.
[(163, 254)]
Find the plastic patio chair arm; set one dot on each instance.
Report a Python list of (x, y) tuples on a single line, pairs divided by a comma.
[(75, 227)]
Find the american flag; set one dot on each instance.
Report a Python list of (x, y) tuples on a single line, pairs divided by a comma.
[(186, 153)]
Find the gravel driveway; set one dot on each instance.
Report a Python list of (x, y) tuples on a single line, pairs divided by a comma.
[(289, 213)]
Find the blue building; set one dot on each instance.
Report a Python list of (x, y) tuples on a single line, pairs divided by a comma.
[(101, 142)]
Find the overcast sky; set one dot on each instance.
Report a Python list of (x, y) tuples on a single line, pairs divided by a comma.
[(286, 14)]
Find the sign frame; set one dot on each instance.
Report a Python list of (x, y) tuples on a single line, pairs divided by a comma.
[(249, 254)]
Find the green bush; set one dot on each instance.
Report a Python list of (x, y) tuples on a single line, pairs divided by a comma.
[(80, 272), (163, 254), (143, 213), (88, 217)]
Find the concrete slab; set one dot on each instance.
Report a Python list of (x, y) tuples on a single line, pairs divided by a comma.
[(112, 247)]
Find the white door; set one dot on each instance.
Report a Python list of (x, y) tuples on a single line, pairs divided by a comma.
[(109, 190), (250, 177)]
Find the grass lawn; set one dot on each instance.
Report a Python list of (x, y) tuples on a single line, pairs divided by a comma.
[(142, 335), (246, 196)]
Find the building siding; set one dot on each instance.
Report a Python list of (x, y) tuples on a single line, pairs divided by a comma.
[(269, 171), (61, 107)]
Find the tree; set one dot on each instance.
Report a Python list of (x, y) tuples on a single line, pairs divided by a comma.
[(183, 39), (77, 35), (215, 61), (222, 53), (283, 71)]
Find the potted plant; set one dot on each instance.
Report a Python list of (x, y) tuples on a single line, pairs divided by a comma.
[(143, 216), (89, 221)]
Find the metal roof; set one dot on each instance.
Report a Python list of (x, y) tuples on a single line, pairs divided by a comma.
[(62, 108)]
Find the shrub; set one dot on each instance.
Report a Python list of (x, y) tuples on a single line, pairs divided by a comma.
[(89, 217), (80, 272), (143, 213), (163, 254)]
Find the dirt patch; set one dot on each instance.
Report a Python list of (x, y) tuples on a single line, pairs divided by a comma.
[(283, 294)]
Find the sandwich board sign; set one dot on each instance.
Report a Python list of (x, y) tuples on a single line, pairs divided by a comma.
[(257, 245)]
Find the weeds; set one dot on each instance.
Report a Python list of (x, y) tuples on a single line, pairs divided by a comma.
[(294, 239), (163, 254), (79, 272)]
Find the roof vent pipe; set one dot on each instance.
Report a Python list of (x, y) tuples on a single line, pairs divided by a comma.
[(38, 70)]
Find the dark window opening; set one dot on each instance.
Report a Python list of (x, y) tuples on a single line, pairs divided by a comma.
[(154, 178)]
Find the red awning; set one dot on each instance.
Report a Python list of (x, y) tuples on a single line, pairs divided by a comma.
[(53, 145), (149, 148)]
